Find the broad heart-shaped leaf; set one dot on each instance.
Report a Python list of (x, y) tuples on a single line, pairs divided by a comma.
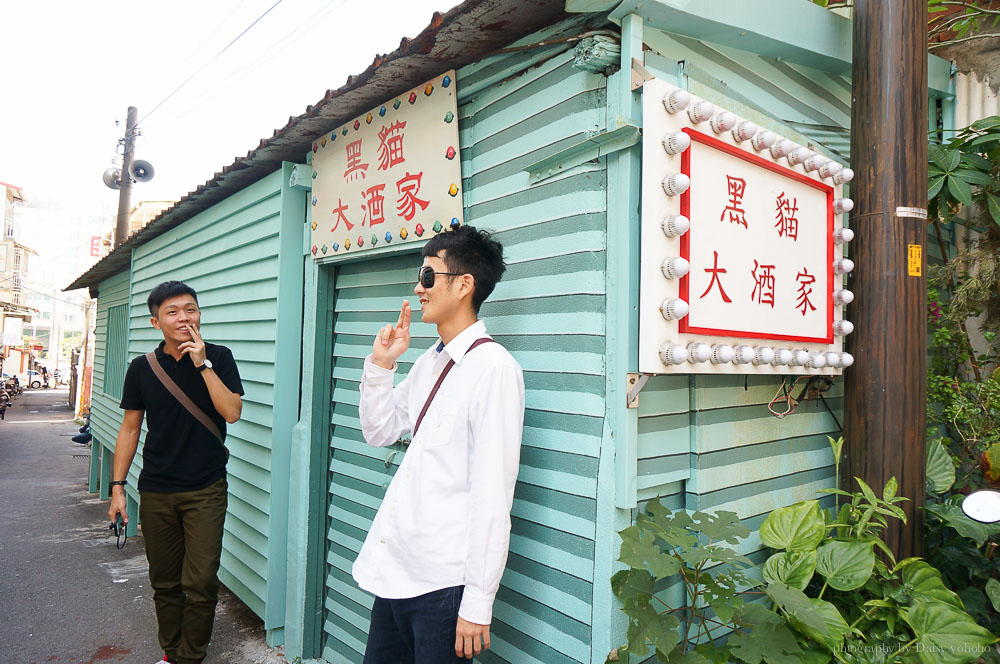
[(966, 527), (795, 604), (632, 582), (793, 568), (923, 583), (960, 190), (649, 627), (797, 527), (677, 657), (768, 642), (723, 525), (640, 551), (835, 625), (940, 468), (846, 565), (946, 635), (993, 203), (993, 592)]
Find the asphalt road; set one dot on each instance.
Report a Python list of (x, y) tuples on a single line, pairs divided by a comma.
[(67, 594)]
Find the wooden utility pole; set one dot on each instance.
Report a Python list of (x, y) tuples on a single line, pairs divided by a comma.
[(125, 189), (885, 400)]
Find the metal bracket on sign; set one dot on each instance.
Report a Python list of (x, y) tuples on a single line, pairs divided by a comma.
[(635, 381), (301, 177), (639, 74)]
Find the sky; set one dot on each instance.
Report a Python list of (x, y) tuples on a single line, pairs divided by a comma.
[(73, 69)]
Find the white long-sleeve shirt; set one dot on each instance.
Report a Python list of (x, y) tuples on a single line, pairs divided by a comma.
[(445, 518)]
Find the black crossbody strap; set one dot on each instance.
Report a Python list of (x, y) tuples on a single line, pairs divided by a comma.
[(437, 385), (184, 399)]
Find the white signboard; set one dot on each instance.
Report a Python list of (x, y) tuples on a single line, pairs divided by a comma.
[(741, 268), (13, 331), (390, 176)]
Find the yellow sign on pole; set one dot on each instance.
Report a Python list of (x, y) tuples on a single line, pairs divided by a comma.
[(390, 176), (914, 260)]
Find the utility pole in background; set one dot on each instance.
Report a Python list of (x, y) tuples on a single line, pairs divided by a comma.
[(125, 189), (885, 391)]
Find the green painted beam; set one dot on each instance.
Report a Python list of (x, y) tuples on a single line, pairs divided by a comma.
[(795, 31)]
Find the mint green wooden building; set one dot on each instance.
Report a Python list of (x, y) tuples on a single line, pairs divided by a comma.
[(550, 157)]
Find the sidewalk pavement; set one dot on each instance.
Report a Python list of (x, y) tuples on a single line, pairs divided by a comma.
[(67, 595)]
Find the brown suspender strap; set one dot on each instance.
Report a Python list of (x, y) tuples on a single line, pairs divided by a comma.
[(444, 372), (184, 400)]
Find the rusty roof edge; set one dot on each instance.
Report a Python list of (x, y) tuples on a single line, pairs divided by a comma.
[(284, 145)]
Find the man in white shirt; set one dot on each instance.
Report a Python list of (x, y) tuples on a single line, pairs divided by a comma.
[(438, 546)]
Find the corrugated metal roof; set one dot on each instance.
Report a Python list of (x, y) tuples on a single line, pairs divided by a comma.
[(464, 34)]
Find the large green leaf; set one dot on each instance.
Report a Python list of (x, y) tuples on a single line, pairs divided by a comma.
[(940, 468), (923, 583), (725, 526), (966, 527), (795, 603), (946, 635), (993, 203), (846, 565), (993, 592), (960, 190), (632, 582), (937, 155), (952, 157), (794, 528), (973, 177), (988, 122), (647, 627), (836, 626), (934, 186), (640, 551), (793, 568)]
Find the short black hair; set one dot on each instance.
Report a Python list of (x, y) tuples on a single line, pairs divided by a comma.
[(468, 250), (165, 291)]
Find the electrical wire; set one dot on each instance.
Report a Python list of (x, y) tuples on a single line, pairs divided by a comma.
[(38, 292), (202, 68)]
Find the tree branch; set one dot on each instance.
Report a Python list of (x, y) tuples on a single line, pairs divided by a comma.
[(959, 41)]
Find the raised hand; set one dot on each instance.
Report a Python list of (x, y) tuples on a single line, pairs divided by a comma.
[(195, 348), (391, 342)]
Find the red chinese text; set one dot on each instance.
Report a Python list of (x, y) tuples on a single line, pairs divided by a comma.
[(805, 281), (341, 217), (409, 187), (735, 187), (788, 222), (354, 164), (390, 147), (373, 205), (715, 270), (763, 287)]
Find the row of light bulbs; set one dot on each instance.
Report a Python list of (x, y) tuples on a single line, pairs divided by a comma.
[(761, 139), (697, 352)]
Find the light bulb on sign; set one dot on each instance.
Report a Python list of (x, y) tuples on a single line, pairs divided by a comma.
[(842, 205), (675, 225), (843, 235), (676, 100), (832, 359), (673, 354), (782, 357), (676, 184), (676, 142), (722, 354), (763, 355), (843, 266), (799, 155), (722, 122), (698, 352), (743, 355), (782, 148), (843, 297), (842, 327), (816, 360), (744, 131), (701, 111), (799, 358), (846, 359), (674, 309), (674, 267), (829, 169), (843, 176), (814, 162), (763, 139)]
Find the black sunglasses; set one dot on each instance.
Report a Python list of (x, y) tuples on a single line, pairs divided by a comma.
[(118, 527), (426, 276)]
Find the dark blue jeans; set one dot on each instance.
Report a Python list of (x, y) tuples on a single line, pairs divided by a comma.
[(416, 630)]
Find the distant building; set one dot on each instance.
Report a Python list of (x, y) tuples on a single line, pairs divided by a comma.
[(14, 310), (144, 212)]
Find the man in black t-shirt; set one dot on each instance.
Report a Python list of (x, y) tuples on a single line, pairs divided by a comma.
[(182, 486)]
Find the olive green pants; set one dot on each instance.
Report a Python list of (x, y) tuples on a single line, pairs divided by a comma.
[(183, 537)]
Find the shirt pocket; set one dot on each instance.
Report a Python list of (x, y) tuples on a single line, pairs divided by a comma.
[(439, 427)]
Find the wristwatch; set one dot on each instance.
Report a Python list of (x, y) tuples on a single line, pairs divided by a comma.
[(207, 365)]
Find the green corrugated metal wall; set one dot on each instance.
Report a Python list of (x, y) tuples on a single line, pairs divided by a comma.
[(548, 311), (229, 254)]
